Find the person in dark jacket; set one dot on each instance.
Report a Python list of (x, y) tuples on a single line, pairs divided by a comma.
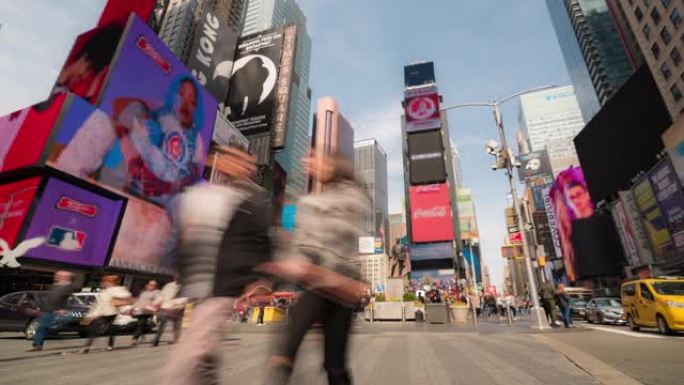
[(327, 228), (55, 305), (224, 234), (563, 301)]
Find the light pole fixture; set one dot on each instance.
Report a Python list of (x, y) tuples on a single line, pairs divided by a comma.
[(506, 161)]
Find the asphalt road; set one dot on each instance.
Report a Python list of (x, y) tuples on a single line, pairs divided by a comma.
[(381, 354)]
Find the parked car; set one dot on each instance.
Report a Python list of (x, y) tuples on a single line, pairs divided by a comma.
[(578, 308), (124, 321), (20, 312), (654, 302), (604, 310)]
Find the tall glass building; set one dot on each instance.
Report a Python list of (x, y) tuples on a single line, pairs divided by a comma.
[(370, 164), (265, 14), (593, 49)]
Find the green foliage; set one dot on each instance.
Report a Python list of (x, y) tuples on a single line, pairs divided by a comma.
[(380, 297), (409, 297)]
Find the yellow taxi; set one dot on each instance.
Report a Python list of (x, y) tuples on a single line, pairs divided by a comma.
[(654, 302)]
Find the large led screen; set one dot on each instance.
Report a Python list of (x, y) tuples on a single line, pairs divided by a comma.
[(15, 202), (426, 157), (24, 133), (431, 217), (78, 224)]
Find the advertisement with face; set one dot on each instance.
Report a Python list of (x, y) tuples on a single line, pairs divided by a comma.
[(431, 218), (653, 220), (251, 97), (571, 201), (534, 165), (151, 135), (78, 224), (24, 133), (86, 68), (15, 202), (144, 240), (212, 52), (670, 196), (421, 107)]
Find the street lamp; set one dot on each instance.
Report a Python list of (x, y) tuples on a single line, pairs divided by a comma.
[(506, 160)]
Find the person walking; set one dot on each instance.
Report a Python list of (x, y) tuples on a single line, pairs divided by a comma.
[(144, 309), (563, 301), (105, 310), (327, 228), (549, 303), (170, 309), (53, 307), (224, 235)]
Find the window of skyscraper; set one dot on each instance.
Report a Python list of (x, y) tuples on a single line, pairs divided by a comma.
[(676, 56), (647, 31), (655, 48), (665, 35), (639, 15), (655, 15), (676, 93), (665, 70), (676, 18)]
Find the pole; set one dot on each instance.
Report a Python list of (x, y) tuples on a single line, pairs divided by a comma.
[(473, 277), (516, 203)]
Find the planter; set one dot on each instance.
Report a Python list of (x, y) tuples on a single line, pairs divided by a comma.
[(459, 314), (436, 313)]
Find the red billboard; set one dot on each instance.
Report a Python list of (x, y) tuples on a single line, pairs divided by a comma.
[(421, 107), (431, 219), (15, 201), (116, 10)]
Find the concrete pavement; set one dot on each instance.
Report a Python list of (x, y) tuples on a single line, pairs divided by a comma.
[(380, 354)]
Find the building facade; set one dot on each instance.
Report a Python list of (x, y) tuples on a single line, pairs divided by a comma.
[(374, 271), (659, 29), (549, 120), (594, 48), (332, 133), (181, 18), (456, 164), (370, 164), (265, 14)]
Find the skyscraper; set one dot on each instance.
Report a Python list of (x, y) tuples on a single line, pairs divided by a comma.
[(657, 26), (595, 52), (550, 119), (181, 19), (370, 163), (456, 160), (265, 14)]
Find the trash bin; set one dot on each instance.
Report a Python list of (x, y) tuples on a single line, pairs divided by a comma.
[(436, 313)]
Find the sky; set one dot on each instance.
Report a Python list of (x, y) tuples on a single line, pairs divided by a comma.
[(482, 50)]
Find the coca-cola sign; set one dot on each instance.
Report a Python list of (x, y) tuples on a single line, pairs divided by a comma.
[(431, 217)]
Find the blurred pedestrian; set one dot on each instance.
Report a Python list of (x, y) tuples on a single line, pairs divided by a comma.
[(563, 301), (144, 309), (170, 309), (53, 308), (328, 225), (103, 313), (549, 303), (224, 234)]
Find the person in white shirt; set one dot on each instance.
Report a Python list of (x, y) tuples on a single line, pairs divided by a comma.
[(105, 310), (144, 309), (170, 309)]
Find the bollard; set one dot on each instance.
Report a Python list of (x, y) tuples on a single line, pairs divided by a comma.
[(403, 313)]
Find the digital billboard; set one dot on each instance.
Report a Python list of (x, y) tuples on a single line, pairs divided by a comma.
[(145, 239), (116, 10), (252, 94), (442, 278), (24, 133), (534, 165), (653, 220), (152, 131), (422, 252), (15, 202), (211, 54), (571, 201), (419, 74), (673, 139), (421, 108), (668, 192), (78, 224), (431, 217), (86, 68), (426, 157), (466, 214)]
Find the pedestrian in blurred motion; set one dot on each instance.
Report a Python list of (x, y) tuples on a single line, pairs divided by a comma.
[(170, 309), (549, 303), (563, 301), (53, 307), (224, 234), (102, 314), (144, 309), (327, 228)]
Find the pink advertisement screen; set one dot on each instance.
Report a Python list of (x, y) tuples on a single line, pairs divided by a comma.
[(431, 218)]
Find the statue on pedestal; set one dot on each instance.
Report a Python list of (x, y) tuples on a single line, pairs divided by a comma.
[(398, 261)]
